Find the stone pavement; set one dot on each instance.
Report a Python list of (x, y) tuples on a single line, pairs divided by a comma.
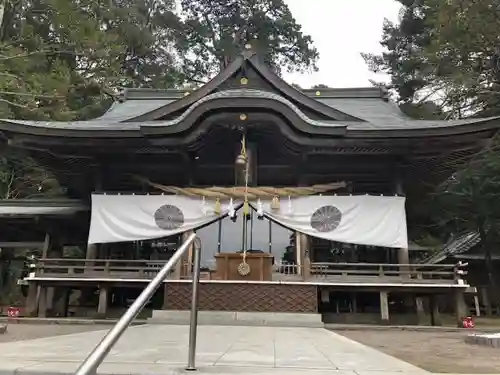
[(162, 349)]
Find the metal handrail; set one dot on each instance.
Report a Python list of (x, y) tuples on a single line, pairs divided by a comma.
[(96, 357)]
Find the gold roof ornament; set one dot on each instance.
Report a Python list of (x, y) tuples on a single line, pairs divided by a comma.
[(243, 117), (244, 81), (318, 93)]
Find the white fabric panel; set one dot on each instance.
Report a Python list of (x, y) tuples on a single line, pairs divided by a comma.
[(357, 219), (120, 218)]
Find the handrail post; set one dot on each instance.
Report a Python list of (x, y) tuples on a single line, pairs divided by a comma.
[(193, 321), (95, 358)]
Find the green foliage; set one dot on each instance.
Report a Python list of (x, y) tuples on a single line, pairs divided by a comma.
[(470, 200), (21, 177), (214, 31), (446, 52), (65, 59)]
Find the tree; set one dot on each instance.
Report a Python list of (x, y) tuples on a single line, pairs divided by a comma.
[(217, 30), (64, 60), (443, 52), (21, 177), (470, 202)]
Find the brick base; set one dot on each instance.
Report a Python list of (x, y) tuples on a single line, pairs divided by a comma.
[(244, 297)]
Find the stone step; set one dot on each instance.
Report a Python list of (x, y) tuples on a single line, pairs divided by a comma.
[(238, 318), (485, 339)]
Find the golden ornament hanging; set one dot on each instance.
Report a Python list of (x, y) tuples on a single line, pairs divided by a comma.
[(218, 208), (275, 203)]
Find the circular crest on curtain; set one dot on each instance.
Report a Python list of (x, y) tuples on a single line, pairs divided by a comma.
[(169, 217), (326, 219)]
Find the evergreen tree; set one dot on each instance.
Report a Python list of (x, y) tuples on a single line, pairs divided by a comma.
[(215, 31)]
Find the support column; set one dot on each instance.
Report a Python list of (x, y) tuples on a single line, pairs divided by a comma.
[(189, 258), (419, 306), (298, 253), (50, 298), (61, 302), (46, 246), (42, 302), (403, 254), (485, 298), (384, 307), (91, 251), (102, 308), (460, 307), (476, 305), (31, 302), (434, 307), (306, 260), (354, 303)]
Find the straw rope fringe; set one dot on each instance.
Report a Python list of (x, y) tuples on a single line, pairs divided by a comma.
[(239, 192)]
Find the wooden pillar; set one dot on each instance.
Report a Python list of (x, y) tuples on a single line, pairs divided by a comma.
[(476, 305), (460, 307), (384, 307), (50, 298), (354, 303), (485, 299), (298, 253), (306, 260), (31, 300), (42, 302), (434, 307), (61, 301), (419, 306), (102, 308), (403, 254), (189, 258), (46, 246), (91, 251)]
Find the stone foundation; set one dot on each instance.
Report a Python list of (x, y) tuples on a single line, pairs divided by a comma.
[(486, 339), (244, 297)]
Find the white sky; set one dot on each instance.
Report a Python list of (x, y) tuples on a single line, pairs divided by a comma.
[(341, 30)]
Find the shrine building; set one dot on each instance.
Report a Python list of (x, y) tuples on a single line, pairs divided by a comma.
[(302, 201)]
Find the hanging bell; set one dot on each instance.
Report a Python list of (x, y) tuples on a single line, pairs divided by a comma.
[(241, 159), (217, 208), (275, 203)]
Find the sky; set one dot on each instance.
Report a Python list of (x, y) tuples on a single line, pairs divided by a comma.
[(341, 30)]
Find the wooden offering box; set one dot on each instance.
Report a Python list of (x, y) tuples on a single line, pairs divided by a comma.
[(261, 266)]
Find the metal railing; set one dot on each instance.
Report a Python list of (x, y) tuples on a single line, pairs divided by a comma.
[(97, 356)]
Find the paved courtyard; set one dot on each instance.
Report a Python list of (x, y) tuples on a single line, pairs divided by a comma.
[(162, 349)]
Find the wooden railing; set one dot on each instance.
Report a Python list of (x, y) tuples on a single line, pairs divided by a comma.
[(369, 271), (411, 271), (146, 269)]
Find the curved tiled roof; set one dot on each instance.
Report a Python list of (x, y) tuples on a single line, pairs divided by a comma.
[(377, 114)]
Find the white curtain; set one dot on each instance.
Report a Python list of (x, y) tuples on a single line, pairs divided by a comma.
[(357, 219), (120, 218)]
